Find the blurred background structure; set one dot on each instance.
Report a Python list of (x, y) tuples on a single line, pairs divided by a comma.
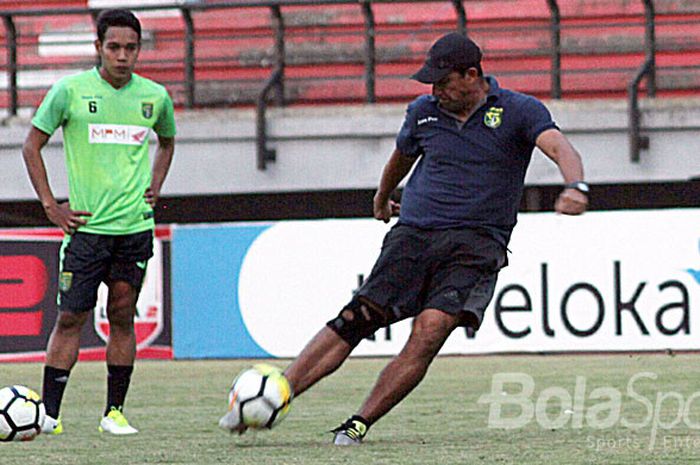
[(288, 108)]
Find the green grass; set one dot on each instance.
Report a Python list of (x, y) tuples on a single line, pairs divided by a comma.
[(177, 405)]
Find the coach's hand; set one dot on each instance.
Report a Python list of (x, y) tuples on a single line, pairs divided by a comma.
[(385, 209), (62, 216), (571, 202)]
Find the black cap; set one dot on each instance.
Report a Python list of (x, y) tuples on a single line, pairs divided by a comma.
[(447, 53)]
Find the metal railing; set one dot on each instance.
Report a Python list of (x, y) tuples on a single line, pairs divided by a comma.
[(277, 86), (264, 154), (11, 32), (637, 142), (555, 31), (187, 10)]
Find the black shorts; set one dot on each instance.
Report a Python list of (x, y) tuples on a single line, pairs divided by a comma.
[(453, 270), (89, 259)]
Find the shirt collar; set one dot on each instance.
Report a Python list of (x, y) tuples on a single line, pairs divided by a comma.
[(491, 96), (104, 82), (494, 89), (474, 110)]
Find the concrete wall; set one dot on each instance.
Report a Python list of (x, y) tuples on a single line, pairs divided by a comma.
[(345, 147)]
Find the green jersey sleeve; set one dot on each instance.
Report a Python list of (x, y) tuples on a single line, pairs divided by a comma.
[(53, 111), (165, 125)]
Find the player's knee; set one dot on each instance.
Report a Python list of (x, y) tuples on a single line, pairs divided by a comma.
[(429, 333), (70, 321), (357, 321), (121, 305), (423, 346), (121, 316)]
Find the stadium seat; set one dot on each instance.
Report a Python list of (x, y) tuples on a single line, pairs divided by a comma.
[(602, 47)]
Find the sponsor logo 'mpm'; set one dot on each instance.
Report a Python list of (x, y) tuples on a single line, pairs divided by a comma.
[(117, 134)]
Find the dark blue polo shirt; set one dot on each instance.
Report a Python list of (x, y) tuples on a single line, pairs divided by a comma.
[(470, 175)]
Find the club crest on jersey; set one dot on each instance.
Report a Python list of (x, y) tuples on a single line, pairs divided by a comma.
[(65, 281), (493, 117), (147, 110)]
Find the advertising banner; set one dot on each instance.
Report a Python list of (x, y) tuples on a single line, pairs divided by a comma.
[(29, 287), (605, 281)]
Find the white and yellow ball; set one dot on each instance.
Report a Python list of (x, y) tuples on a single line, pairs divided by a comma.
[(21, 414), (260, 396)]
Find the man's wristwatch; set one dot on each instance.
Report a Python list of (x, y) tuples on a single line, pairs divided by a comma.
[(579, 186)]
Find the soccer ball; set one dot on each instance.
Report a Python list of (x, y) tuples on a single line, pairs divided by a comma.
[(21, 414), (260, 397)]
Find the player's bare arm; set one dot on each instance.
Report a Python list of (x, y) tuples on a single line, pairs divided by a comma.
[(558, 148), (59, 214), (161, 166), (394, 171)]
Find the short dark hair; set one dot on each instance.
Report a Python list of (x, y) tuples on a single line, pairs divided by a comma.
[(119, 18)]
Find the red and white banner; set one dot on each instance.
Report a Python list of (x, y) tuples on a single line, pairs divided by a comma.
[(29, 286), (148, 323)]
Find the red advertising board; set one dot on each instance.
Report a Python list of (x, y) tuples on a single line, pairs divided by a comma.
[(29, 286)]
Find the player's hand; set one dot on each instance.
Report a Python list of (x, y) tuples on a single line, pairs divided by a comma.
[(151, 197), (384, 210), (68, 220), (571, 202)]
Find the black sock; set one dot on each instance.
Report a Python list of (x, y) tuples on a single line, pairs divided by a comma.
[(55, 380), (361, 420), (118, 379)]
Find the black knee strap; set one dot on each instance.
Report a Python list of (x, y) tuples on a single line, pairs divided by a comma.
[(358, 320)]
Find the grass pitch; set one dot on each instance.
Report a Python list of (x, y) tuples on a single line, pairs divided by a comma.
[(176, 405)]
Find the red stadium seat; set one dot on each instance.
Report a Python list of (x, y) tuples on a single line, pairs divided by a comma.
[(602, 47)]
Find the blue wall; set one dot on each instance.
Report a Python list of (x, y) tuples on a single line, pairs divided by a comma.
[(206, 264)]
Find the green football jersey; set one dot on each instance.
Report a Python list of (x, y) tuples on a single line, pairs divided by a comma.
[(105, 138)]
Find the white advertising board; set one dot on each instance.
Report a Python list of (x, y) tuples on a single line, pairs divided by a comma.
[(605, 281)]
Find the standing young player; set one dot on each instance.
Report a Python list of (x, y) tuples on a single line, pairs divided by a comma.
[(472, 142), (106, 115)]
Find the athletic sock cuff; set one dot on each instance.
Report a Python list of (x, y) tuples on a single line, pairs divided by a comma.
[(362, 420), (123, 370), (56, 373)]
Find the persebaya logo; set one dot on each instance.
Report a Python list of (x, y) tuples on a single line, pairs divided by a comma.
[(493, 117), (147, 110), (65, 281)]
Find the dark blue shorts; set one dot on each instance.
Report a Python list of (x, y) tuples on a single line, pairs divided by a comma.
[(89, 259), (452, 270)]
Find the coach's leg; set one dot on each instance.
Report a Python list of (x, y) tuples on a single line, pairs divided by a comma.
[(321, 357), (332, 345), (430, 330)]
